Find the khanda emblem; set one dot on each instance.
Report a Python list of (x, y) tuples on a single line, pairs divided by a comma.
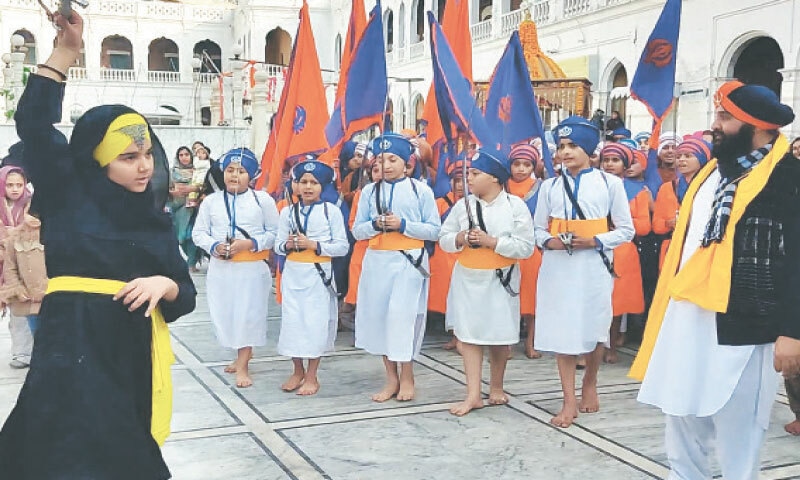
[(137, 132), (504, 109), (299, 120), (659, 52)]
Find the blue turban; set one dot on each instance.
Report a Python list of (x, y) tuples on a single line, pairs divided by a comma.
[(245, 157), (621, 132), (492, 162), (348, 151), (642, 136), (393, 143), (322, 172), (582, 132), (629, 143)]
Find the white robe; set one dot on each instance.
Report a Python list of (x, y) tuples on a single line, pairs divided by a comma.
[(309, 312), (238, 292), (481, 311), (689, 372), (392, 294), (573, 296)]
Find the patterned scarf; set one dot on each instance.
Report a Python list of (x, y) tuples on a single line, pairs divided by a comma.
[(726, 190)]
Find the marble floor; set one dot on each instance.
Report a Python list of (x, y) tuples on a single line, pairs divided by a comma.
[(261, 433)]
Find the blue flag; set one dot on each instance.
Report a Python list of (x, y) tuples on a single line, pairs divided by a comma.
[(512, 113), (654, 81), (454, 101), (366, 86)]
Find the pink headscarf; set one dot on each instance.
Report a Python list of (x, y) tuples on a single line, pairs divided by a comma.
[(13, 215)]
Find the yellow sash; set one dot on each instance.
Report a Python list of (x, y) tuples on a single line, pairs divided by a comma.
[(162, 356), (705, 279), (394, 241), (251, 256), (307, 256), (483, 259), (581, 228)]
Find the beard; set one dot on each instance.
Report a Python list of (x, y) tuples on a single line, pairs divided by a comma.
[(728, 148)]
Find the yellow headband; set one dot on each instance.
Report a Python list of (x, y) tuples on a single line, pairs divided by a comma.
[(124, 130)]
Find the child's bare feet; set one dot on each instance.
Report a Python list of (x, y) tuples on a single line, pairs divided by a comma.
[(458, 347), (610, 356), (389, 390), (310, 387), (451, 345), (590, 402), (293, 382), (565, 417), (468, 405), (406, 391), (530, 352), (621, 340), (497, 397), (793, 428), (243, 379), (231, 368)]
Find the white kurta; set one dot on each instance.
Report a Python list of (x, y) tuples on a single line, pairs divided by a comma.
[(392, 294), (689, 372), (573, 297), (481, 311), (238, 292), (309, 311)]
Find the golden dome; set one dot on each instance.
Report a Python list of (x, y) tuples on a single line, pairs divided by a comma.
[(540, 66)]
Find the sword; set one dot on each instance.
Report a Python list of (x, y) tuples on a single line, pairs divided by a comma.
[(464, 182)]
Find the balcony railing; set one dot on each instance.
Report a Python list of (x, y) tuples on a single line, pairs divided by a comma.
[(77, 73), (540, 12), (117, 74), (163, 77), (577, 7), (481, 31), (400, 55), (510, 21)]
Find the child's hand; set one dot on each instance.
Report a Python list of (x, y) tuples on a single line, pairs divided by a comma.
[(392, 222), (302, 242), (240, 245), (150, 290), (70, 32)]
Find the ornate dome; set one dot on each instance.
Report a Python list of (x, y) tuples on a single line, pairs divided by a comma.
[(541, 66)]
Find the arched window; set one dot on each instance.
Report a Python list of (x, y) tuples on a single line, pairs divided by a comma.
[(163, 56), (419, 108), (116, 52), (485, 10), (337, 52), (439, 9), (400, 118), (388, 19), (758, 62), (401, 23), (278, 47), (30, 45), (206, 50), (388, 120), (418, 21), (618, 101)]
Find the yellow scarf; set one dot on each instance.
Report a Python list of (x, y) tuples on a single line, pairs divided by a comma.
[(705, 279), (162, 355)]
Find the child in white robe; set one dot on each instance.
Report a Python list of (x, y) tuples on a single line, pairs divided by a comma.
[(483, 300), (310, 233), (237, 227), (573, 308), (396, 214)]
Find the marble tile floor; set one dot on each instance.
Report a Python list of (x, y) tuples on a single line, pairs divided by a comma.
[(221, 432)]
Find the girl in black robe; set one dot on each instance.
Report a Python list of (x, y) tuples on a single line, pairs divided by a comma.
[(84, 411)]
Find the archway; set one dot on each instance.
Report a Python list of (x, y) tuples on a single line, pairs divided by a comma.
[(116, 52), (401, 24), (30, 45), (163, 56), (388, 34), (388, 119), (757, 61), (400, 118), (337, 53), (419, 108), (618, 92), (212, 50), (278, 48), (417, 21)]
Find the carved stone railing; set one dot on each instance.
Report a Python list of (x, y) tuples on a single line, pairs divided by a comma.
[(163, 77), (117, 75), (481, 31), (77, 73)]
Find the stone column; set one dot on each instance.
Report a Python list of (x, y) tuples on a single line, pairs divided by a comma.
[(790, 95), (259, 130), (216, 102)]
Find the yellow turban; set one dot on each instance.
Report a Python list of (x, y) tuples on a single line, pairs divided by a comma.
[(123, 131)]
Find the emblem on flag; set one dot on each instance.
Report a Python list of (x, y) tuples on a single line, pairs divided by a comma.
[(659, 52), (299, 119), (504, 111)]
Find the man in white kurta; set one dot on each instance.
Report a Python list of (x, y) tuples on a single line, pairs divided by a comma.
[(715, 392), (573, 308), (392, 291)]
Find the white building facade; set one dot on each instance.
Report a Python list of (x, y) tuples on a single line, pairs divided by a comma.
[(143, 53)]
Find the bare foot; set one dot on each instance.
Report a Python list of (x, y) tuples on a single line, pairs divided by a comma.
[(231, 368), (531, 353), (406, 392), (451, 345), (610, 356), (565, 417), (793, 428), (310, 387), (458, 347), (389, 391), (590, 402), (621, 340), (243, 379), (293, 383), (468, 405), (497, 397)]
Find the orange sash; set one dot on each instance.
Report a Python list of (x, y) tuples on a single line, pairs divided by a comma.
[(483, 259), (394, 241), (251, 256), (307, 256), (581, 228)]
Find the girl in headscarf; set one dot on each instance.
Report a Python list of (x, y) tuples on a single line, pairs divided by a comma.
[(13, 188), (97, 400), (181, 188)]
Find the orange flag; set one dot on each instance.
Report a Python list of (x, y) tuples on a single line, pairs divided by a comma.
[(358, 21), (299, 126), (457, 31)]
